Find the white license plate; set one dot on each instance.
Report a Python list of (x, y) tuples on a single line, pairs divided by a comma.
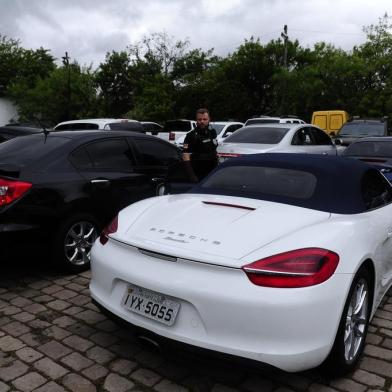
[(150, 304)]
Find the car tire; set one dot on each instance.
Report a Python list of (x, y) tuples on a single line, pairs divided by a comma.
[(350, 338), (74, 240)]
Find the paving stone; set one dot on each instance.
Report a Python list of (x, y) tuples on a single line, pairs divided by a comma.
[(81, 329), (43, 299), (8, 343), (54, 288), (345, 384), (29, 293), (15, 328), (50, 387), (103, 339), (23, 317), (58, 304), (123, 366), (56, 333), (64, 294), (4, 319), (27, 354), (168, 386), (90, 316), (378, 352), (35, 308), (95, 372), (29, 382), (38, 323), (21, 302), (54, 350), (78, 343), (116, 383), (40, 284), (384, 314), (34, 339), (321, 388), (386, 332), (74, 382), (372, 338), (64, 321), (4, 387), (377, 366), (80, 300), (108, 326), (50, 368), (379, 322), (369, 379), (100, 355), (146, 377), (73, 310), (10, 310), (77, 361), (13, 370)]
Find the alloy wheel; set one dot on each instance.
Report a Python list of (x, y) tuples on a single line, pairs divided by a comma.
[(78, 242), (356, 320)]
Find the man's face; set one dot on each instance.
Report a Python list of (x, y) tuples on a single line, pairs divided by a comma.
[(202, 120)]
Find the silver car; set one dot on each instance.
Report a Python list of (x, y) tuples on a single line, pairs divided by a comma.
[(260, 138)]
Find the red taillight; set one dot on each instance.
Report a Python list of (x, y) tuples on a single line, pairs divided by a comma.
[(228, 155), (109, 229), (297, 268), (172, 136), (11, 190)]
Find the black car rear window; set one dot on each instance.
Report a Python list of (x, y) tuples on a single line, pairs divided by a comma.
[(370, 149), (28, 149), (263, 180), (259, 135), (363, 129), (177, 126)]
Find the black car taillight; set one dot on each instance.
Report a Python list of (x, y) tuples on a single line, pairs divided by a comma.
[(11, 190), (109, 229), (296, 268), (172, 136)]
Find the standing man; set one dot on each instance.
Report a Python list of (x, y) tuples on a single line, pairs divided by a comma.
[(199, 149)]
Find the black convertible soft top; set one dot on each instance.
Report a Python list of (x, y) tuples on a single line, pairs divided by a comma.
[(330, 183)]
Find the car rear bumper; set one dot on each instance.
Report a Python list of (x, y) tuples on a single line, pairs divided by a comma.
[(221, 310)]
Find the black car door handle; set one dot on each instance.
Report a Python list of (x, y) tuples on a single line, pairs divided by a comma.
[(100, 182), (156, 179)]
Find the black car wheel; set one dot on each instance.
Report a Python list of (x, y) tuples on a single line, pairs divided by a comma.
[(350, 339), (75, 238)]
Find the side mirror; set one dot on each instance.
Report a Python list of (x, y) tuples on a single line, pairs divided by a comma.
[(227, 134), (332, 134), (338, 142)]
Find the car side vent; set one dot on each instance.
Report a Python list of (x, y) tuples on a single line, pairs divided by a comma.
[(157, 255)]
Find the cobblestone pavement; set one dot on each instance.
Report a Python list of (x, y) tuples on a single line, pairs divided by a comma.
[(52, 338)]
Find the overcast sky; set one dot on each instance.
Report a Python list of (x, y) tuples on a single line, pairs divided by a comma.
[(88, 29)]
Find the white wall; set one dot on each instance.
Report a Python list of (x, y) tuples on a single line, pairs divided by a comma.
[(7, 111)]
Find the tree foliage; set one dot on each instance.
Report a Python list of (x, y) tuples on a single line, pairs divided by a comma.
[(159, 78)]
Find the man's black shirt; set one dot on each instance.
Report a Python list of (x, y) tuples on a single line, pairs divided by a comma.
[(201, 144)]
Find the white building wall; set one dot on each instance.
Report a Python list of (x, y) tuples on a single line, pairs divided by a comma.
[(8, 111)]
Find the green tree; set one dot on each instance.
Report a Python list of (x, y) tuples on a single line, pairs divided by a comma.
[(115, 84)]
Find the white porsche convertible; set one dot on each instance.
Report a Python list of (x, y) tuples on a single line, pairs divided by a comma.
[(278, 258)]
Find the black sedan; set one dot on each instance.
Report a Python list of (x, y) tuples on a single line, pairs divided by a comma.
[(63, 187), (376, 151)]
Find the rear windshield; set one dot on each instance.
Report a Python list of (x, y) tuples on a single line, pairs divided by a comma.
[(276, 181), (362, 129), (177, 126), (370, 149), (262, 121), (28, 149), (259, 135)]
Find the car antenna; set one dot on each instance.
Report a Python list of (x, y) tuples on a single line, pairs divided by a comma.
[(44, 128)]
